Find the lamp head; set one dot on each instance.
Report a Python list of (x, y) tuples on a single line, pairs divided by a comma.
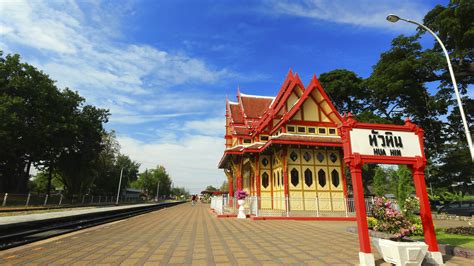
[(393, 18)]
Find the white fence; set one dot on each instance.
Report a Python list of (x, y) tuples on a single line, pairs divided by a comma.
[(292, 207)]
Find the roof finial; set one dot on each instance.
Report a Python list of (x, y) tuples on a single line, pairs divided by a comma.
[(297, 76), (290, 73)]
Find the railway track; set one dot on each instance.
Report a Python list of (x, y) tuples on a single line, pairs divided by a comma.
[(13, 235)]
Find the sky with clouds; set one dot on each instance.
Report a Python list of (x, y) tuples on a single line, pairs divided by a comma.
[(164, 68)]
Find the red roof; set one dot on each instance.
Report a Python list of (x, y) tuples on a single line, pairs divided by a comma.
[(255, 106), (236, 114), (241, 131)]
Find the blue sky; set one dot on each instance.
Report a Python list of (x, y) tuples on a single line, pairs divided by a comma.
[(164, 68)]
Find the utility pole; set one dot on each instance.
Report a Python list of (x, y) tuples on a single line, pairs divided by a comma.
[(157, 190), (120, 184)]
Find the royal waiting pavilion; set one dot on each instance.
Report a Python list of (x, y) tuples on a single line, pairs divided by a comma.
[(286, 151)]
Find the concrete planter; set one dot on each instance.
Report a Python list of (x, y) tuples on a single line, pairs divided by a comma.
[(241, 214), (401, 253)]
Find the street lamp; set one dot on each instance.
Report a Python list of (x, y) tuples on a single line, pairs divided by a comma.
[(118, 189), (394, 18)]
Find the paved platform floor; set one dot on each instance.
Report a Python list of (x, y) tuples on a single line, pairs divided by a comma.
[(51, 215), (187, 235)]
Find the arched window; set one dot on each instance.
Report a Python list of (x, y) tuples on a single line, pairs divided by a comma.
[(333, 157), (308, 177), (278, 178), (322, 177), (265, 162), (265, 180), (335, 178), (295, 180)]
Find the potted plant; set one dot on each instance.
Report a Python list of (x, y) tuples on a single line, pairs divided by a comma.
[(396, 249), (241, 195)]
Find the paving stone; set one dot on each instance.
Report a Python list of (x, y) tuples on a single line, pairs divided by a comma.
[(185, 235)]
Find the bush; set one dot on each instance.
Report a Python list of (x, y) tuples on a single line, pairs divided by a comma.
[(390, 220), (372, 222), (418, 227), (461, 230), (411, 206)]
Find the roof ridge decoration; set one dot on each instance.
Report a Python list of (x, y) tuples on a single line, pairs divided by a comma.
[(256, 96), (288, 87), (313, 85)]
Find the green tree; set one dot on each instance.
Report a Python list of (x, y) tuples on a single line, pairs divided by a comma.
[(46, 127), (401, 85), (179, 192), (405, 184), (346, 90), (456, 166), (77, 165), (454, 24), (31, 112), (40, 183), (211, 188), (380, 182), (224, 186), (148, 182), (160, 174)]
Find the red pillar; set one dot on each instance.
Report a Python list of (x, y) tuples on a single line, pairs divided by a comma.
[(257, 179), (361, 215), (230, 182), (425, 211), (285, 180), (239, 175), (343, 175)]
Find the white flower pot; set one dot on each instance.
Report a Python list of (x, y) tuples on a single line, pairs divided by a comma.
[(241, 214), (401, 253)]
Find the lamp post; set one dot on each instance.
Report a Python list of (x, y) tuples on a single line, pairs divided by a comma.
[(157, 191), (394, 18), (118, 189)]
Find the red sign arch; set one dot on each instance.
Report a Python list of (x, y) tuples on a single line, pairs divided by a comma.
[(386, 144)]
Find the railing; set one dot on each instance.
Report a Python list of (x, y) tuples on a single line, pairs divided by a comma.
[(292, 207), (38, 200)]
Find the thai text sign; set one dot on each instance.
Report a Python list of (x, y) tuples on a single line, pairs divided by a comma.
[(385, 143)]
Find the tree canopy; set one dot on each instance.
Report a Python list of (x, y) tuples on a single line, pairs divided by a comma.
[(412, 81), (55, 131)]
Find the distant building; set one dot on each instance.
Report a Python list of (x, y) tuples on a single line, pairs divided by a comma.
[(131, 193)]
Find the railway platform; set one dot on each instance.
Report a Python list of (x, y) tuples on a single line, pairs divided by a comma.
[(192, 235), (14, 219)]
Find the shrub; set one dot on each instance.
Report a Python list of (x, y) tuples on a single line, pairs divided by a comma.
[(411, 206), (241, 194), (418, 227), (372, 222), (461, 230), (390, 220)]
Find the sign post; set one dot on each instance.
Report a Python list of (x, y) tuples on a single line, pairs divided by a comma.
[(386, 144)]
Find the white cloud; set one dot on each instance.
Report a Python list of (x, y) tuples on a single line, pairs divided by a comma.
[(82, 47), (191, 161), (361, 13), (142, 118), (77, 45), (208, 127)]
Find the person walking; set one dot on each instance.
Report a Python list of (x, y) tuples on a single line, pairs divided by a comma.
[(193, 199)]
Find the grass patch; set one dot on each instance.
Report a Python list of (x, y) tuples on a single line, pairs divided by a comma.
[(451, 239)]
